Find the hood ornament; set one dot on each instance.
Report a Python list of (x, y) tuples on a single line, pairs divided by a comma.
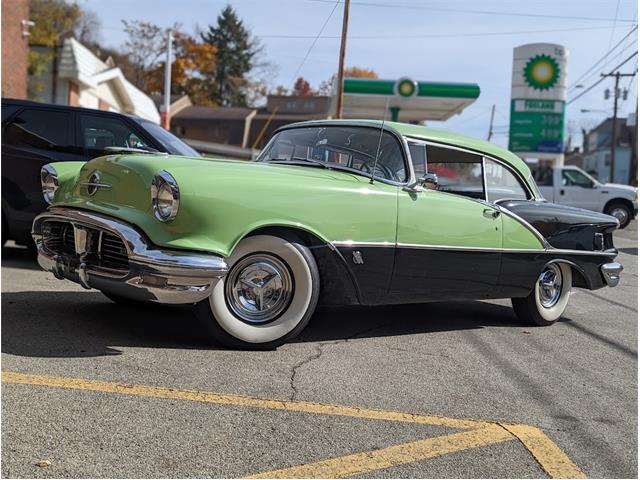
[(93, 183)]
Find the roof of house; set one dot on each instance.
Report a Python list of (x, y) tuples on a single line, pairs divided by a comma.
[(79, 63)]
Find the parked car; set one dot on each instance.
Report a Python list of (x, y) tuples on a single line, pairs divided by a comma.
[(341, 212), (570, 185), (35, 134)]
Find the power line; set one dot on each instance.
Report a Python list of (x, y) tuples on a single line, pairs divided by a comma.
[(613, 29), (478, 12), (438, 35), (595, 65), (601, 79), (313, 44)]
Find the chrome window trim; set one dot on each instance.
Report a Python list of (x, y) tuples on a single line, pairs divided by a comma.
[(483, 155), (524, 185)]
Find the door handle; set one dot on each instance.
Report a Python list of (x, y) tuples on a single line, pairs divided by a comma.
[(491, 213), (562, 191)]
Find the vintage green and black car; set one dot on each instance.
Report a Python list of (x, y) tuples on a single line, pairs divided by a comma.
[(337, 212)]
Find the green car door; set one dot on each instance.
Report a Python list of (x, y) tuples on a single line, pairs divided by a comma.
[(449, 240)]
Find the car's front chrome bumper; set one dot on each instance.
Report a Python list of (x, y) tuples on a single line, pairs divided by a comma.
[(74, 244), (611, 273)]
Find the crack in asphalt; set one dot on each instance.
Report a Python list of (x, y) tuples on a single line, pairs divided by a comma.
[(319, 350)]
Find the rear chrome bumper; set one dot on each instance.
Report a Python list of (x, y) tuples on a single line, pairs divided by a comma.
[(144, 272), (611, 273)]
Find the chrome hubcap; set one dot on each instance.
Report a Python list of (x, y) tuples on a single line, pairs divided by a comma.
[(259, 288), (620, 214), (550, 285)]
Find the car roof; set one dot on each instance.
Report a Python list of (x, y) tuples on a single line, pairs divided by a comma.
[(429, 134), (31, 103)]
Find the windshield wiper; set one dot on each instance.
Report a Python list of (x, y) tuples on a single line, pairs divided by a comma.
[(298, 161)]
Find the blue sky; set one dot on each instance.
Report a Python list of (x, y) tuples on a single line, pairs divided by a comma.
[(426, 40)]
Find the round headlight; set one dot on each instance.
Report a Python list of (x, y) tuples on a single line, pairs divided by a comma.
[(49, 182), (165, 196)]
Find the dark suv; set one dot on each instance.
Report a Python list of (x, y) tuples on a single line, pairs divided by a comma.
[(34, 134)]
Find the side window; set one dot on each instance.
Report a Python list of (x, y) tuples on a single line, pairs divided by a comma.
[(458, 172), (501, 183), (48, 130), (98, 133), (543, 176), (418, 158), (575, 178)]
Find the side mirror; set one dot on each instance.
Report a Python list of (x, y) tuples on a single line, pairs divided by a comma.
[(429, 180)]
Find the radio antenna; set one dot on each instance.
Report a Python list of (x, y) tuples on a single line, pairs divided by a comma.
[(375, 162)]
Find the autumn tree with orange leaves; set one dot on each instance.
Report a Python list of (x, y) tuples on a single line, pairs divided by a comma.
[(192, 72)]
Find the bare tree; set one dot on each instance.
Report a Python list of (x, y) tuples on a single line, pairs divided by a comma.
[(146, 44), (87, 28)]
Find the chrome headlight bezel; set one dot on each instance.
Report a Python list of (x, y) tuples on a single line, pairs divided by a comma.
[(49, 182), (164, 185)]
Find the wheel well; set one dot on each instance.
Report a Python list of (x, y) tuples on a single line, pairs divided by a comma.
[(305, 237), (338, 285), (578, 278), (624, 201)]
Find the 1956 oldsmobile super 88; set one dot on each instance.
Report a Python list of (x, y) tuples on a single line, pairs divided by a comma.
[(345, 212)]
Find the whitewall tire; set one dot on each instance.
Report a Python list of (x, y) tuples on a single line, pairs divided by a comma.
[(549, 298), (266, 298)]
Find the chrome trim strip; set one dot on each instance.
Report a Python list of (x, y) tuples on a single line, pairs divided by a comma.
[(352, 243), (423, 246), (96, 184)]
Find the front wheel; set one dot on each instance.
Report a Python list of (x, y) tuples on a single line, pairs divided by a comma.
[(266, 298), (549, 298)]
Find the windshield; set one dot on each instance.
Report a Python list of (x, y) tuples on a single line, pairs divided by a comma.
[(344, 148), (169, 141)]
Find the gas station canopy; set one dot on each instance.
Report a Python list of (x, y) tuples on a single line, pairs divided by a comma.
[(407, 100)]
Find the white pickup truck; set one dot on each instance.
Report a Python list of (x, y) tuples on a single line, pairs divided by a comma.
[(570, 185)]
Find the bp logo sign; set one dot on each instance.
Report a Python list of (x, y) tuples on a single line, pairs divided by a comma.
[(405, 87), (541, 72)]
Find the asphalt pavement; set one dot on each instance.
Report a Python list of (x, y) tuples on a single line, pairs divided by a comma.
[(94, 389)]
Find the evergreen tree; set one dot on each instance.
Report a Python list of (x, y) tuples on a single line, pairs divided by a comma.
[(235, 57)]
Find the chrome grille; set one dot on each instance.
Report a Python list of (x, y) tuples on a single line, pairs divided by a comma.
[(113, 253), (59, 238)]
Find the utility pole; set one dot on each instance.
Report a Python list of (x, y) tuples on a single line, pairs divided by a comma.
[(166, 115), (493, 111), (343, 48), (614, 123), (633, 168)]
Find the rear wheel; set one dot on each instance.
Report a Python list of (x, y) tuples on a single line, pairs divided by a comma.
[(621, 211), (549, 298), (266, 298)]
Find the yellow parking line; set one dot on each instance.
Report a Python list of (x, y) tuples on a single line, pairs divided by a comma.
[(236, 400), (553, 460), (364, 462)]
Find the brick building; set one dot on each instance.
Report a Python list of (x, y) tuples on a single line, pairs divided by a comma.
[(15, 48)]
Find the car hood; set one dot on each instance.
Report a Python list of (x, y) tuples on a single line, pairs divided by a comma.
[(628, 189)]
